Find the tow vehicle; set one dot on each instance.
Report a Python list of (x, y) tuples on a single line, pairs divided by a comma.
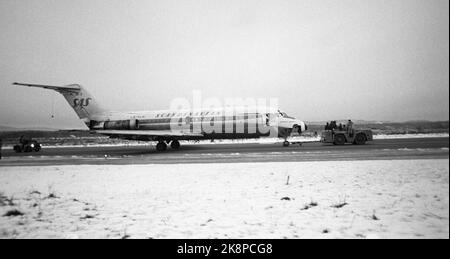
[(341, 137)]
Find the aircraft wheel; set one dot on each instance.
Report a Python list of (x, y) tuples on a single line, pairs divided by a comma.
[(161, 146), (175, 144), (286, 143), (18, 149)]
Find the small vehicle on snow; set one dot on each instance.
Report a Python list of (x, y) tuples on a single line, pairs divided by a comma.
[(27, 146)]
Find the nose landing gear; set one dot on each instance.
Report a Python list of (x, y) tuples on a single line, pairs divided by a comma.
[(297, 129)]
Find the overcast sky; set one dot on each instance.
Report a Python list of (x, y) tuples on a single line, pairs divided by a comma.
[(323, 59)]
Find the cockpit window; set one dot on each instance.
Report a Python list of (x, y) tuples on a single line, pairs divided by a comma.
[(283, 114)]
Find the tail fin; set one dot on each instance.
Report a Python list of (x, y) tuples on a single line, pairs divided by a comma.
[(81, 101)]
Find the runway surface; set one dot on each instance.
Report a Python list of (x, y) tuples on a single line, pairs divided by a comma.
[(414, 148)]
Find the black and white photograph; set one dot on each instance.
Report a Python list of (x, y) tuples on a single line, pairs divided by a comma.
[(195, 120)]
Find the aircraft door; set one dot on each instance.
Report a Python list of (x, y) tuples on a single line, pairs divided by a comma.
[(189, 124), (271, 119)]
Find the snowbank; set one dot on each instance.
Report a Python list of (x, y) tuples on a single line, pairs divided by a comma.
[(401, 136), (359, 199)]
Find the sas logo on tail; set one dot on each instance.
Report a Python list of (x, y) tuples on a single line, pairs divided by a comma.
[(81, 102)]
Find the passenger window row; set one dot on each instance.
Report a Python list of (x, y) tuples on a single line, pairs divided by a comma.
[(171, 115)]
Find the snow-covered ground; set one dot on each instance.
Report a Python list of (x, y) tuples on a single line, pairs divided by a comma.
[(358, 199)]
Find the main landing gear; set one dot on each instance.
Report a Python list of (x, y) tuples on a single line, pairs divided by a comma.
[(287, 143), (175, 144), (162, 145), (288, 133)]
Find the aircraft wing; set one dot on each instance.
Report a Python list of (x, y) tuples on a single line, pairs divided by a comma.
[(148, 133)]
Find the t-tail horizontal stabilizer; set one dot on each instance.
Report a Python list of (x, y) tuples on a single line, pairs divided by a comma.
[(51, 87), (78, 98)]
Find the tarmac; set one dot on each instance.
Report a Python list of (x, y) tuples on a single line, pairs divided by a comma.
[(386, 149)]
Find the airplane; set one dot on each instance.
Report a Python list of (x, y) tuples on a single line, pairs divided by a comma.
[(171, 126)]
